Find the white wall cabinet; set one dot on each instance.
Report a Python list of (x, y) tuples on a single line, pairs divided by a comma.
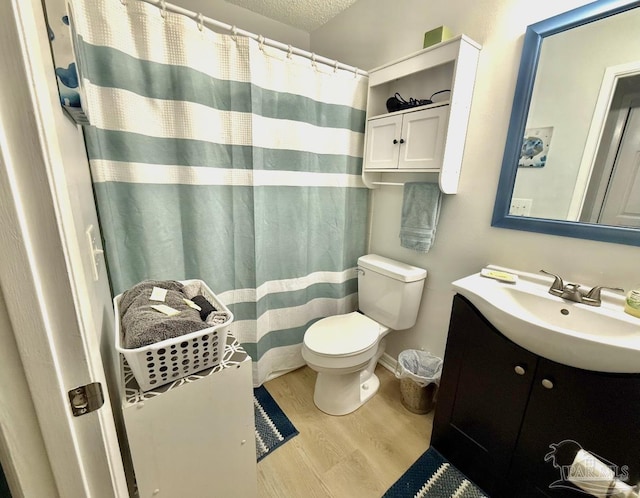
[(413, 140), (425, 139)]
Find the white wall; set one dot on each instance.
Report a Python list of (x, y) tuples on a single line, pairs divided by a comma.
[(372, 32)]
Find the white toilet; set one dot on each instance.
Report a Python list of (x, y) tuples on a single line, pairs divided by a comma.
[(345, 349)]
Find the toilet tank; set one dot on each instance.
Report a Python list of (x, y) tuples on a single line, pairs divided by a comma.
[(389, 291)]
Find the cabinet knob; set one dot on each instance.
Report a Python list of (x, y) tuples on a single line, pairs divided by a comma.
[(402, 140), (547, 383), (520, 370), (395, 141)]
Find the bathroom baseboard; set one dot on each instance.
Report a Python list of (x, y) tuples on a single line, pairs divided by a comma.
[(388, 362)]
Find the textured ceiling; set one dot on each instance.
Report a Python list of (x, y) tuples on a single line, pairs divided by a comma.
[(306, 15)]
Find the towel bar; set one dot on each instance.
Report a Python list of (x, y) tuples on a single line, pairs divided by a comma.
[(392, 184), (389, 184)]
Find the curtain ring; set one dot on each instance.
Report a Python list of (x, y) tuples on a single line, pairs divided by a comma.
[(200, 21), (335, 67), (313, 61), (234, 32), (289, 52), (355, 72), (163, 7), (261, 42)]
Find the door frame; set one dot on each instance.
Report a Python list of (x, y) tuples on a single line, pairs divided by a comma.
[(614, 164), (37, 276), (596, 130)]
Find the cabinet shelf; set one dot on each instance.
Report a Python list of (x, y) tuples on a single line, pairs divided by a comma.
[(427, 138), (411, 109)]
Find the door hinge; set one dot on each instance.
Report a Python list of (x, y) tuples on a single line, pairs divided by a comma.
[(85, 399)]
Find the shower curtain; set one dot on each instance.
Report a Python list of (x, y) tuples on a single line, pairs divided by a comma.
[(215, 157)]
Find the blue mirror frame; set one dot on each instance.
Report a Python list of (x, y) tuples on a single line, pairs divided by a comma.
[(533, 39)]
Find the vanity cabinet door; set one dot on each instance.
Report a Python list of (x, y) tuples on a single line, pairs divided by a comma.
[(600, 412), (482, 397)]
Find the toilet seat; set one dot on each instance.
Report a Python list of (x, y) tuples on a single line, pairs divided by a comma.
[(342, 335)]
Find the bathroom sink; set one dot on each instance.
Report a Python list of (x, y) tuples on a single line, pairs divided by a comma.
[(603, 339)]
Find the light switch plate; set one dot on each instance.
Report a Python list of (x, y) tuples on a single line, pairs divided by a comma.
[(96, 252), (520, 207)]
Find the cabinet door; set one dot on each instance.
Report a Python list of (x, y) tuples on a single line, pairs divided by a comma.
[(597, 411), (383, 142), (197, 439), (482, 398), (423, 133)]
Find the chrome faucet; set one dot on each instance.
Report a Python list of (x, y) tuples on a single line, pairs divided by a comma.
[(572, 292), (593, 296), (557, 286)]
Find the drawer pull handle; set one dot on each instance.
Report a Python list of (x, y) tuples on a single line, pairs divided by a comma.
[(520, 370), (547, 384)]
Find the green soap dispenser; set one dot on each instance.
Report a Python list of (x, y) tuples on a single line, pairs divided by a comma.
[(632, 303)]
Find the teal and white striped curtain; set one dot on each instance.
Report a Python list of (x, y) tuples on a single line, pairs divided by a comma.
[(214, 157)]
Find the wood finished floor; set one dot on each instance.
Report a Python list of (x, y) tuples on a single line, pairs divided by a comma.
[(359, 455)]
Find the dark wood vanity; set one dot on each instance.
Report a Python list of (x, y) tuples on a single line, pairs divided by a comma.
[(501, 407)]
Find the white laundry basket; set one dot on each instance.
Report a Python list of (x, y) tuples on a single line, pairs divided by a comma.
[(172, 359)]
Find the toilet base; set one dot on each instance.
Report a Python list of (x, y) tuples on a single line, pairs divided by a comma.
[(344, 393)]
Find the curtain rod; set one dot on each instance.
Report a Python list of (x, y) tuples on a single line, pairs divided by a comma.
[(204, 20)]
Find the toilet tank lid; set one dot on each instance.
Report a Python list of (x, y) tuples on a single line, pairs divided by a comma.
[(391, 268)]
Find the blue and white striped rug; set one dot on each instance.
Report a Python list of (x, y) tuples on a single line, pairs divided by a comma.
[(273, 427), (433, 476)]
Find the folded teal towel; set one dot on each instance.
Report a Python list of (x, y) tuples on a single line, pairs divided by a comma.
[(420, 212)]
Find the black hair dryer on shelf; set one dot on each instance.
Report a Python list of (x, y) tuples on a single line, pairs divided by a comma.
[(398, 103)]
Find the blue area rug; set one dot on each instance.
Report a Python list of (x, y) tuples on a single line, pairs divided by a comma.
[(273, 427), (433, 476)]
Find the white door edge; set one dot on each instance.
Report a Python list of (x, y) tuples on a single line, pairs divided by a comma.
[(36, 272)]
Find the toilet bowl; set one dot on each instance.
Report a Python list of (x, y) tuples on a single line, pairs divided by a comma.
[(344, 349)]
